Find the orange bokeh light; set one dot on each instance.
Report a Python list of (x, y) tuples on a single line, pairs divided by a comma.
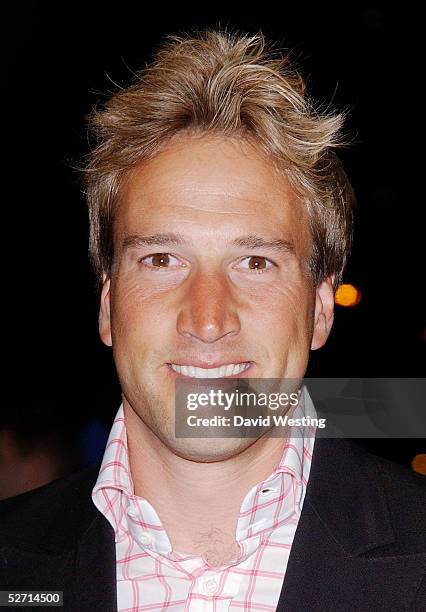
[(419, 463), (347, 295)]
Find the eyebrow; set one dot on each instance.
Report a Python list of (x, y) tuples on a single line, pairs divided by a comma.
[(251, 241), (257, 242), (167, 239)]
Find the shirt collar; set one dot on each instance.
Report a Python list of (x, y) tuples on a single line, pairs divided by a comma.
[(268, 505)]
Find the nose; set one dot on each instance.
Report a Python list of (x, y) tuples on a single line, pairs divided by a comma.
[(209, 309)]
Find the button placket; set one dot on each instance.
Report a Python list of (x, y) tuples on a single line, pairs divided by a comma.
[(142, 537)]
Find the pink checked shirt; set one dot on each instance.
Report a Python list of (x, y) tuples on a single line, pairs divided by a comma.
[(150, 576)]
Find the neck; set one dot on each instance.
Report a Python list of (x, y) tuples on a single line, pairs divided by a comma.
[(198, 503)]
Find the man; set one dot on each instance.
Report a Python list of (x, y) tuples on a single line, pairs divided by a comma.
[(220, 227)]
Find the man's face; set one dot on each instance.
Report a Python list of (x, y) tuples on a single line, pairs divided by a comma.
[(211, 250)]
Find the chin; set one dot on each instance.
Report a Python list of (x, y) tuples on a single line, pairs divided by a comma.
[(202, 450)]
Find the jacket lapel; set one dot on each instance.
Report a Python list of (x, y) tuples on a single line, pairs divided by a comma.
[(95, 586), (342, 556)]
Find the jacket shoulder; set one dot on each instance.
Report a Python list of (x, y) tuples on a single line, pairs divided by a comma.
[(405, 494), (356, 492), (28, 520), (399, 480)]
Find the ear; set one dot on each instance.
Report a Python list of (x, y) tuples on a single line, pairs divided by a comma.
[(105, 312), (324, 312)]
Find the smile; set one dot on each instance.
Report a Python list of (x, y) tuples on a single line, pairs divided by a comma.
[(230, 369)]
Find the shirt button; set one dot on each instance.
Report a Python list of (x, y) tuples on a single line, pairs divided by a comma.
[(210, 586), (144, 538)]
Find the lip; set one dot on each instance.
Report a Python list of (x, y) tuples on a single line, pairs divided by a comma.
[(208, 366)]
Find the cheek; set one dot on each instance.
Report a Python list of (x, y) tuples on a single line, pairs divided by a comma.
[(138, 314), (288, 321), (282, 305)]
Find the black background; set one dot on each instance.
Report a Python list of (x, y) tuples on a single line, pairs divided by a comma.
[(60, 61)]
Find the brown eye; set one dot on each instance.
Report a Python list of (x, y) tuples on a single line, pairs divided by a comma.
[(160, 260), (257, 263)]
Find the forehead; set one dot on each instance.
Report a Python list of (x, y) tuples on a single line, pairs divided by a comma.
[(210, 184)]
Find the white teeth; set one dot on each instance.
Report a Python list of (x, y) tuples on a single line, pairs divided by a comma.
[(231, 369)]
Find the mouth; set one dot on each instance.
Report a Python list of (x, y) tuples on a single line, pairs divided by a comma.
[(227, 370)]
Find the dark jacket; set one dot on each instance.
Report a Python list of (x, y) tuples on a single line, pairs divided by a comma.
[(360, 543)]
